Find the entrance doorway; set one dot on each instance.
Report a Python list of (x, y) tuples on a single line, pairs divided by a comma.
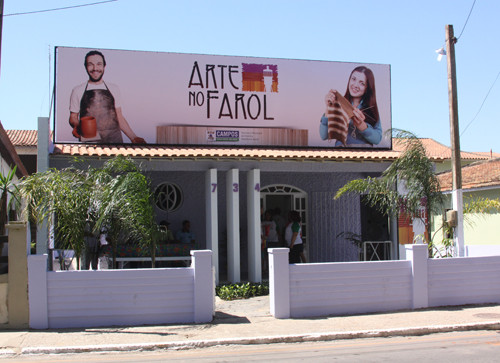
[(284, 198), (375, 234)]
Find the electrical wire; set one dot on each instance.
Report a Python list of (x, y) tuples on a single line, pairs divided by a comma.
[(64, 8), (498, 75), (482, 104), (466, 21)]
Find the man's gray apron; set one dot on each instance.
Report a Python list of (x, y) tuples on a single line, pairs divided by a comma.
[(100, 103)]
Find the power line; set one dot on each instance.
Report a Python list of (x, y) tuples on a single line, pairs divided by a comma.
[(488, 93), (466, 21), (482, 104), (64, 8)]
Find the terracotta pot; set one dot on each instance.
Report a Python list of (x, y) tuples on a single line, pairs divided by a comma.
[(88, 126)]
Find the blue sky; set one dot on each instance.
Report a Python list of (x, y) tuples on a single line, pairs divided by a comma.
[(404, 34)]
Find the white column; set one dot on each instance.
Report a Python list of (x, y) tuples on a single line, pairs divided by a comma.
[(42, 164), (253, 225), (204, 288), (37, 292), (458, 205), (233, 225), (418, 255), (279, 283), (211, 222)]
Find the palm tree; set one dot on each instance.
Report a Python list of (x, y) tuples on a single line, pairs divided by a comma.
[(62, 197), (125, 205), (115, 198), (414, 173)]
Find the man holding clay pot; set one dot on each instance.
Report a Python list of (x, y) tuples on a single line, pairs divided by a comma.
[(97, 103)]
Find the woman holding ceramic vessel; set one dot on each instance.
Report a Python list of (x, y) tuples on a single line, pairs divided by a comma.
[(364, 126)]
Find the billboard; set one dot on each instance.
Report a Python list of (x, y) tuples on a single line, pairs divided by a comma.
[(116, 96)]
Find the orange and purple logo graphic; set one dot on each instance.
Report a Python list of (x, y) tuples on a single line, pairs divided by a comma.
[(260, 77)]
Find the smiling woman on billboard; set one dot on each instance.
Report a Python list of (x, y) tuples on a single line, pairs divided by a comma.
[(353, 119)]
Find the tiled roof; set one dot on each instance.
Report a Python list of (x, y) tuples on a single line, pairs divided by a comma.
[(155, 151), (490, 154), (9, 154), (23, 137), (439, 152), (476, 175), (436, 151)]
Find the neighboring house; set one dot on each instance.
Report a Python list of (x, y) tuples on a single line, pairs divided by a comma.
[(9, 155), (8, 159), (25, 143), (9, 283), (479, 180), (440, 155)]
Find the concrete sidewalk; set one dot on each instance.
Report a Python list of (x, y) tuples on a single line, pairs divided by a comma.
[(249, 322)]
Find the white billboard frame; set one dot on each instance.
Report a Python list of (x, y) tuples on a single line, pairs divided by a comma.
[(196, 99)]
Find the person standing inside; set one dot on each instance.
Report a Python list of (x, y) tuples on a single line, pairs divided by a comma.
[(185, 235), (280, 225), (269, 230), (92, 247), (269, 238), (293, 236), (102, 101)]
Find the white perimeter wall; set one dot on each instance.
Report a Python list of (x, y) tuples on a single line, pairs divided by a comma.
[(482, 250), (65, 299), (352, 287), (460, 281), (306, 290)]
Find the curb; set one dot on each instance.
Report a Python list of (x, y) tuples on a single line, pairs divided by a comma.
[(310, 337)]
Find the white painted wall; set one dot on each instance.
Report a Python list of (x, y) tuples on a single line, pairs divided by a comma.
[(362, 287), (349, 288), (69, 299), (459, 281), (482, 250)]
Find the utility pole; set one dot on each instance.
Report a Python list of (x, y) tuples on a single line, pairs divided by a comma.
[(456, 168)]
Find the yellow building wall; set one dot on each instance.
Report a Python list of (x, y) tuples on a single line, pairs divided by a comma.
[(479, 229)]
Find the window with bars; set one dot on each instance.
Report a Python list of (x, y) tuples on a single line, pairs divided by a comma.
[(168, 197)]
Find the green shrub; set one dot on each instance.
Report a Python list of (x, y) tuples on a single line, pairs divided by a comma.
[(241, 290)]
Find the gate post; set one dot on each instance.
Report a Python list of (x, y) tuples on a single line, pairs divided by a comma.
[(279, 283), (418, 255), (37, 283), (204, 288)]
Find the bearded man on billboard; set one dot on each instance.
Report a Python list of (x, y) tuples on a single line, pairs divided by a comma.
[(101, 101)]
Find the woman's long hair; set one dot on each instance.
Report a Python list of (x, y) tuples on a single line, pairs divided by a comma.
[(369, 99), (294, 216)]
